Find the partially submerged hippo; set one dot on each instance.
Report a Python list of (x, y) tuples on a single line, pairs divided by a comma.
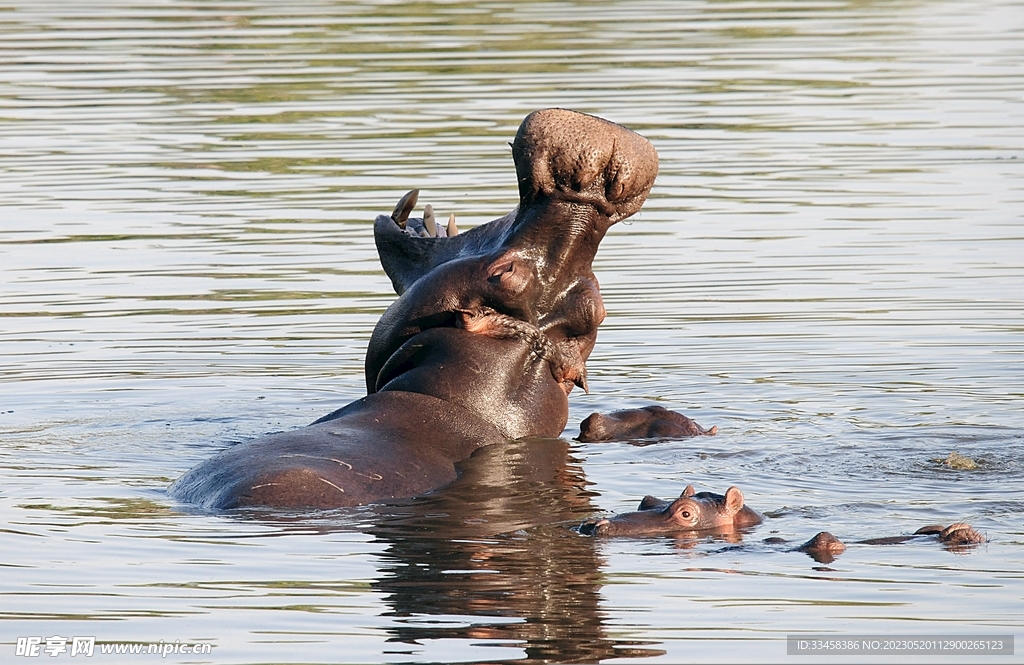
[(649, 422), (723, 514), (692, 511), (824, 547), (491, 331)]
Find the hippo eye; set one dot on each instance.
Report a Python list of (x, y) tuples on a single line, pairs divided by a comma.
[(685, 514)]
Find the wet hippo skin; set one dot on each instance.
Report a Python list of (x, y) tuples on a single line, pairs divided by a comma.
[(649, 422), (707, 513), (490, 333), (693, 511), (824, 547)]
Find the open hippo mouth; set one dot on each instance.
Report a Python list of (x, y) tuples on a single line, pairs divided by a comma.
[(501, 279), (523, 281)]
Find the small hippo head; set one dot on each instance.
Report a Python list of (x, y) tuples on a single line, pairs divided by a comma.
[(692, 511), (823, 548), (649, 422)]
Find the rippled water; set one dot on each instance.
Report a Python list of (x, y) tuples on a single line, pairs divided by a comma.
[(830, 269)]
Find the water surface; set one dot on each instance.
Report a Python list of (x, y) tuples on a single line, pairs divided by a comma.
[(829, 269)]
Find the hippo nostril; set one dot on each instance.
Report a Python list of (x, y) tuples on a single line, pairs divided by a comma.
[(615, 188), (594, 527)]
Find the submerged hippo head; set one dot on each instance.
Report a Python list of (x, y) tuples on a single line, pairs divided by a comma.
[(501, 319), (959, 537), (649, 422), (692, 511), (823, 547)]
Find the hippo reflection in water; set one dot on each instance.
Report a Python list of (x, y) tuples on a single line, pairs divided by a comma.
[(490, 333), (707, 513)]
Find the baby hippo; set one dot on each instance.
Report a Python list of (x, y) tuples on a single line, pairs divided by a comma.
[(692, 511), (649, 422)]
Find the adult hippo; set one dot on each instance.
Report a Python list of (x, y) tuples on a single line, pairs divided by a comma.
[(491, 331)]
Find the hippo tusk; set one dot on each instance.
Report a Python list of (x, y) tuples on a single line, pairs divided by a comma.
[(581, 381), (428, 221), (404, 207), (452, 229)]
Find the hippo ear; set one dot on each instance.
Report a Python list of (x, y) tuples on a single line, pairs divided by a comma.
[(689, 491), (510, 273), (650, 503), (733, 500)]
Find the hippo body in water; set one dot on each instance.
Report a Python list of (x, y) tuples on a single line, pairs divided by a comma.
[(824, 547), (706, 513), (490, 333)]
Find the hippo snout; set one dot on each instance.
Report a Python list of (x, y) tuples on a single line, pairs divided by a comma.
[(595, 527)]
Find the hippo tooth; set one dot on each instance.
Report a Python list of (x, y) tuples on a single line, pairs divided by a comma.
[(404, 207), (428, 221), (452, 229), (581, 381)]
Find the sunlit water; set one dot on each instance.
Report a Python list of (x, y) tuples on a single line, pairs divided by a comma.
[(830, 268)]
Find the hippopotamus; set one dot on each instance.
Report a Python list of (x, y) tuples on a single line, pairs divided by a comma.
[(489, 334), (824, 547), (649, 422), (717, 514), (692, 511)]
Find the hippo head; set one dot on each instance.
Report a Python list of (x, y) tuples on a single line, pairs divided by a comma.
[(649, 422), (823, 547), (692, 511), (502, 318)]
